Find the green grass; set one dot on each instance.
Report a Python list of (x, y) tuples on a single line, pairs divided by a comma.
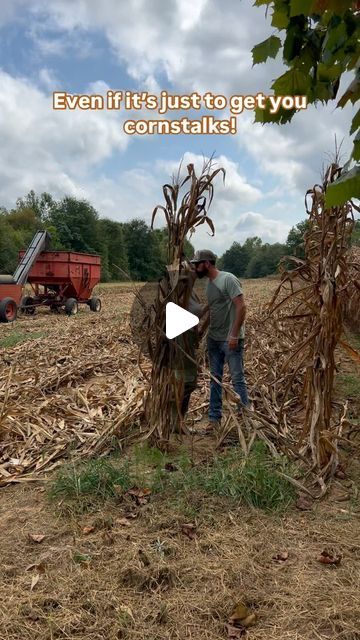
[(349, 385), (17, 337), (255, 480), (95, 478), (354, 340)]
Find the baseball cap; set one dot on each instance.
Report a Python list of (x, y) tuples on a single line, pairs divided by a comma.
[(203, 255)]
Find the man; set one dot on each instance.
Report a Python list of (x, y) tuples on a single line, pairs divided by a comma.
[(226, 330)]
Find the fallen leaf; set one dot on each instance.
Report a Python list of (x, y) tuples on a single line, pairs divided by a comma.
[(123, 522), (40, 567), (327, 557), (89, 529), (304, 504), (250, 620), (34, 580), (36, 537), (141, 495), (234, 632), (242, 617), (189, 529), (240, 613), (132, 515), (127, 611), (281, 557)]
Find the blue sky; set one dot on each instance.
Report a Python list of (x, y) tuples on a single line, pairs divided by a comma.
[(84, 46)]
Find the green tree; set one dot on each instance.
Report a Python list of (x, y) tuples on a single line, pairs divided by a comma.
[(146, 260), (265, 260), (41, 205), (76, 222), (11, 241), (162, 238), (295, 239), (114, 248), (321, 43), (237, 258)]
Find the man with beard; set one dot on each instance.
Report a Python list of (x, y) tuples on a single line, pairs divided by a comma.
[(226, 331)]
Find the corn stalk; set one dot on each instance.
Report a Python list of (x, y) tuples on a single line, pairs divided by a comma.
[(183, 214), (312, 297)]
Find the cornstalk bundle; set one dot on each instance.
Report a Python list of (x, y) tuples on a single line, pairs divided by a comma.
[(182, 217), (313, 297)]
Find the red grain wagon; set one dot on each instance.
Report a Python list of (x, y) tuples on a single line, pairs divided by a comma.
[(63, 278), (58, 279)]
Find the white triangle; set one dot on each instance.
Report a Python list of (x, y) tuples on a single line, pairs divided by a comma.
[(178, 320)]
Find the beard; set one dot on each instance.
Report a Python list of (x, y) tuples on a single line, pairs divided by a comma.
[(202, 274)]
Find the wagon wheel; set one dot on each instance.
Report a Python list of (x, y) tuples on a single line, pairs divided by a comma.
[(71, 307), (54, 308), (27, 305), (8, 310), (95, 304)]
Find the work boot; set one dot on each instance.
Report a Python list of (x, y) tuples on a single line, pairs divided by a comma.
[(209, 427)]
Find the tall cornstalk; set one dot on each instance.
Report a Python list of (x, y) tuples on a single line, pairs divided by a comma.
[(317, 289), (183, 214)]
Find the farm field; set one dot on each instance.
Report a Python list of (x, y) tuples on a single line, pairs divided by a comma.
[(170, 562)]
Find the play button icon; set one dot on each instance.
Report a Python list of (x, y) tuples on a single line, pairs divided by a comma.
[(178, 320)]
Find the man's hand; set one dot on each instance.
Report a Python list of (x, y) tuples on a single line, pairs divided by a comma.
[(232, 343), (240, 312)]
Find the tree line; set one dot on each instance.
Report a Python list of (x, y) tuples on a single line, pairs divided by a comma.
[(128, 249)]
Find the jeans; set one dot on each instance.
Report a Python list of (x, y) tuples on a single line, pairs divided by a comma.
[(219, 353)]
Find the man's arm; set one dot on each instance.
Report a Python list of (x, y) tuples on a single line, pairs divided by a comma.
[(240, 313)]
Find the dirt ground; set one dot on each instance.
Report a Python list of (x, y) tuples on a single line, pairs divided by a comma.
[(134, 572)]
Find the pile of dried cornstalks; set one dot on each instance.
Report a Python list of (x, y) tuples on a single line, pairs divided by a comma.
[(58, 403), (183, 214), (306, 324)]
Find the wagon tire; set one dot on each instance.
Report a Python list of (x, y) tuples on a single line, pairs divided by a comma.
[(27, 305), (8, 310), (95, 304), (71, 307), (54, 308)]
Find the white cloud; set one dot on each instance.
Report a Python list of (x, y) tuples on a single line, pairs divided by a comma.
[(48, 80), (256, 224), (296, 152), (49, 150), (201, 46), (235, 189)]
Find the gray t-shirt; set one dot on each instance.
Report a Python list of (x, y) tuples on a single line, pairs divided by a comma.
[(220, 293), (195, 307)]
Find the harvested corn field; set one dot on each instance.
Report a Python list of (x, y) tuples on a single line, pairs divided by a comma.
[(73, 385), (158, 564)]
